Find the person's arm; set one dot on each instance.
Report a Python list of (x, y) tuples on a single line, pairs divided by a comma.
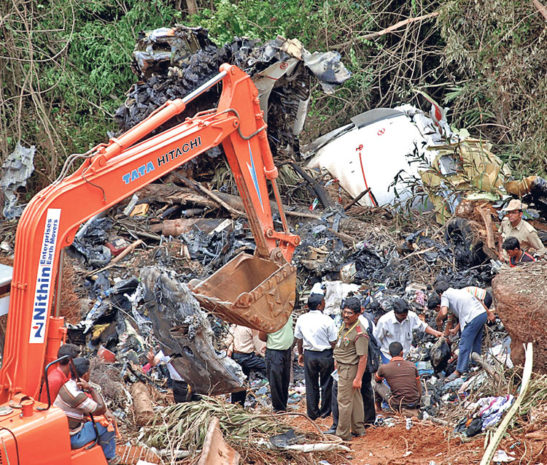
[(418, 323), (332, 333), (300, 348), (502, 255), (258, 344), (263, 336), (449, 325), (101, 406), (419, 386), (453, 331), (489, 313), (379, 332), (230, 342), (433, 332), (361, 348), (379, 375), (441, 316), (361, 367), (536, 243)]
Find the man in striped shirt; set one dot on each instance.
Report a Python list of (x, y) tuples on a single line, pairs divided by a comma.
[(482, 295), (77, 405)]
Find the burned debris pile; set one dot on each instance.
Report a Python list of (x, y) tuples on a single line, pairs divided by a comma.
[(172, 62)]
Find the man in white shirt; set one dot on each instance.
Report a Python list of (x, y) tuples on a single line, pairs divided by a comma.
[(397, 326), (315, 335), (182, 391), (471, 315)]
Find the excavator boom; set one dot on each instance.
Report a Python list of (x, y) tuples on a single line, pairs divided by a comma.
[(259, 290)]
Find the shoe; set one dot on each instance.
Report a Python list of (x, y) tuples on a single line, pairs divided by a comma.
[(325, 415), (331, 430), (358, 435), (452, 377)]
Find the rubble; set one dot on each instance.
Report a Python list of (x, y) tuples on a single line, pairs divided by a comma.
[(17, 168), (184, 333), (172, 62)]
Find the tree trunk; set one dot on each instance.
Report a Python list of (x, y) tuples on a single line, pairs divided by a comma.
[(192, 6)]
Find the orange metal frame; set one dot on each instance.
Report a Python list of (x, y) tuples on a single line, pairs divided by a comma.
[(111, 173)]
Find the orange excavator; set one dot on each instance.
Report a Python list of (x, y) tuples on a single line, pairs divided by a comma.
[(254, 290)]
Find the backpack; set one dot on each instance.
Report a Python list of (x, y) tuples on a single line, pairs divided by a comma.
[(373, 359)]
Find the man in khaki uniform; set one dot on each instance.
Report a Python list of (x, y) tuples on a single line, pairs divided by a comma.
[(350, 355), (514, 226)]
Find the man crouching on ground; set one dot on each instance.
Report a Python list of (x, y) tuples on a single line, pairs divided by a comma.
[(350, 355)]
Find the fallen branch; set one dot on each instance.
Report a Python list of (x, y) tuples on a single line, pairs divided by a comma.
[(540, 8), (418, 252), (317, 187), (346, 238), (284, 414), (488, 368), (492, 446), (199, 187), (537, 436), (439, 421), (130, 248), (389, 29), (487, 219), (356, 199), (318, 447)]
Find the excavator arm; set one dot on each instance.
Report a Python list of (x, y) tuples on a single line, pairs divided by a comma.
[(116, 170)]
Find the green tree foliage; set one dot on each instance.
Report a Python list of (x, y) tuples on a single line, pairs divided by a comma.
[(65, 64), (495, 55), (65, 68)]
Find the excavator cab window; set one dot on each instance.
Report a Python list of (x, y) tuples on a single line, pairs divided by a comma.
[(6, 273)]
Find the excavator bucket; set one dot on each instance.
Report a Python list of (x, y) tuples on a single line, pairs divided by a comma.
[(250, 291)]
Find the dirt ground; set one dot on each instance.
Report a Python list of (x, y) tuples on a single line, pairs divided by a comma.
[(424, 444)]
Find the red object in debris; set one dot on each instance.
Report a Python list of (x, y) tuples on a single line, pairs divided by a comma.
[(106, 355), (117, 246)]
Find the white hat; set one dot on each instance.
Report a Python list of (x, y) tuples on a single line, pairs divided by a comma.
[(317, 289), (514, 204)]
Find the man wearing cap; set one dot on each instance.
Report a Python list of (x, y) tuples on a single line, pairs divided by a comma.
[(367, 392), (315, 335), (397, 326), (514, 226)]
